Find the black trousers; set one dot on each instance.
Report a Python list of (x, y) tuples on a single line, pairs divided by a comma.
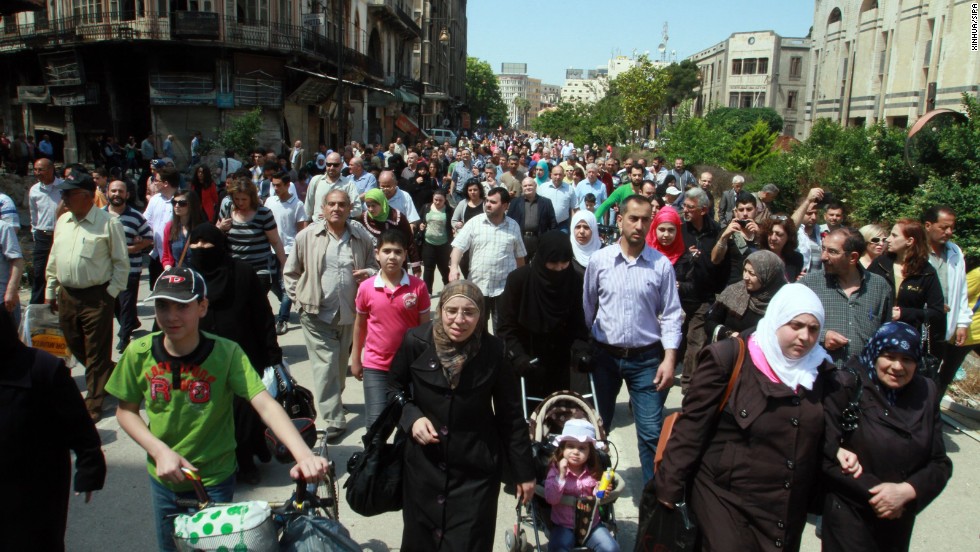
[(125, 308), (155, 270), (435, 256), (953, 358), (39, 259)]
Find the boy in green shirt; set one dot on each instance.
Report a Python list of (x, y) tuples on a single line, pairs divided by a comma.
[(187, 379)]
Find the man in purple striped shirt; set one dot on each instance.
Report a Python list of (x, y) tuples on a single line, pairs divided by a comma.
[(634, 312)]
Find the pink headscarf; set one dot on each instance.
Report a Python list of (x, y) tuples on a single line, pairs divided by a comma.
[(675, 250)]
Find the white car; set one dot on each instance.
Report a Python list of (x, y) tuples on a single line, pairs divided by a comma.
[(442, 135)]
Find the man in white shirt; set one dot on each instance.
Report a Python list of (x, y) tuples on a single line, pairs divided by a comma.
[(42, 200), (398, 198), (296, 155), (400, 148), (160, 211), (330, 180), (562, 197), (291, 217), (591, 185)]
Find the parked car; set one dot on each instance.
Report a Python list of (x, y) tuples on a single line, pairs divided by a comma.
[(443, 135)]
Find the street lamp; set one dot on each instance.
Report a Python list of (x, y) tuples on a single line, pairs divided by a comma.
[(444, 36)]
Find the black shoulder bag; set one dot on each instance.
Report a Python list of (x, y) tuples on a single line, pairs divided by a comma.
[(375, 483)]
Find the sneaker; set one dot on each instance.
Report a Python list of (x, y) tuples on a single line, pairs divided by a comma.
[(335, 432), (281, 327)]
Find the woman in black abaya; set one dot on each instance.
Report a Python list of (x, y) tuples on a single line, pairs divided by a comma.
[(541, 316), (239, 310)]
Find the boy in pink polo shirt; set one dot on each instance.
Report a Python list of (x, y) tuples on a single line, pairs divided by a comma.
[(388, 305)]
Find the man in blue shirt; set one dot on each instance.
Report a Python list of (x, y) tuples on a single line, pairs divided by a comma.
[(634, 313), (45, 148)]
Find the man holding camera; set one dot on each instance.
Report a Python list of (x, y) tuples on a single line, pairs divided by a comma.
[(738, 239), (809, 233)]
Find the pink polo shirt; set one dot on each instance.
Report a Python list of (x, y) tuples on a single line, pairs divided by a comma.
[(390, 313)]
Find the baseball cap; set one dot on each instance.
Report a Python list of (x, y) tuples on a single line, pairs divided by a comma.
[(671, 190), (179, 284), (77, 180)]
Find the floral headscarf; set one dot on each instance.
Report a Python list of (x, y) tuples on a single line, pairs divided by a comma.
[(891, 337)]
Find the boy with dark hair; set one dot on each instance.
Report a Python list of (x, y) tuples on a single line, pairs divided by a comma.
[(188, 379), (387, 305)]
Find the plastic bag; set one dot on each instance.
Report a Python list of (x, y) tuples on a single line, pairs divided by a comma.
[(314, 534), (41, 329), (240, 526)]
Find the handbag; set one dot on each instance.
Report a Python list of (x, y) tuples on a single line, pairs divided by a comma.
[(374, 485), (930, 362), (668, 425), (664, 529)]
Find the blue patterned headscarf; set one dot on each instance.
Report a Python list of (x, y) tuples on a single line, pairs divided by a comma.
[(897, 337)]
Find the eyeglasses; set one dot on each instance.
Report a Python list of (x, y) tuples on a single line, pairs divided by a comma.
[(179, 202), (878, 240), (333, 164)]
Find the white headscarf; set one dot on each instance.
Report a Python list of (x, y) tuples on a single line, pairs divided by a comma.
[(583, 252), (789, 302)]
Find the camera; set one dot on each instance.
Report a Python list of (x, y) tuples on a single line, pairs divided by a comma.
[(742, 222), (828, 198)]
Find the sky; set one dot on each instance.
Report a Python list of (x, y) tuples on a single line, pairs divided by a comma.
[(586, 34)]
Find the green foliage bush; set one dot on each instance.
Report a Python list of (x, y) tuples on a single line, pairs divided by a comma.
[(753, 149), (737, 122), (240, 135)]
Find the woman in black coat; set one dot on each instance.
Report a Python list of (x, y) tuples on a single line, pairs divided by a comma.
[(541, 317), (742, 304), (898, 441), (239, 310), (918, 293), (42, 419), (465, 420), (750, 470)]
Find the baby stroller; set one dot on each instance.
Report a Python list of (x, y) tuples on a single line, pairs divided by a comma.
[(546, 423)]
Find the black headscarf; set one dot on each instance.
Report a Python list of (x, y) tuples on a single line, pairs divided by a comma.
[(213, 263), (547, 297)]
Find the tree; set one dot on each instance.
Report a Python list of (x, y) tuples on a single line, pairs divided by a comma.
[(642, 91), (483, 93), (683, 80), (240, 134), (753, 148), (696, 141), (521, 108), (738, 121)]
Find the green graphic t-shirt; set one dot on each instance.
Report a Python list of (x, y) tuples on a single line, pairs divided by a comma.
[(188, 399)]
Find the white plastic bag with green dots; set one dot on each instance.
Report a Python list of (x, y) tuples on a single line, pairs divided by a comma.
[(240, 527)]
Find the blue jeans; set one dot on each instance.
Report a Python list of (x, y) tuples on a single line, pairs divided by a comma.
[(165, 507), (279, 290), (562, 539), (648, 403), (564, 225)]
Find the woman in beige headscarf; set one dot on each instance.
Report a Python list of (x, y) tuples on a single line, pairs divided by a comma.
[(465, 421)]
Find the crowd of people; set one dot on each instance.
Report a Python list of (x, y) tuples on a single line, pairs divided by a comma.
[(516, 226)]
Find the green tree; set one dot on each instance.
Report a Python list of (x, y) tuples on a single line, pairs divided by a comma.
[(642, 92), (682, 81), (240, 134), (521, 107), (753, 148), (737, 121), (696, 141), (483, 93)]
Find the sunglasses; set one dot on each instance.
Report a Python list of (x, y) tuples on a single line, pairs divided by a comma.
[(180, 202), (333, 164), (878, 240)]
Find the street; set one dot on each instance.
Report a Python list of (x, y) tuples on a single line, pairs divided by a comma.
[(120, 517)]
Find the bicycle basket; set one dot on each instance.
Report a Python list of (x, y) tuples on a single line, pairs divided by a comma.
[(244, 526)]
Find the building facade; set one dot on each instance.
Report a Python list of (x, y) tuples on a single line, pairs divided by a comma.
[(756, 69), (515, 88), (322, 72), (889, 61)]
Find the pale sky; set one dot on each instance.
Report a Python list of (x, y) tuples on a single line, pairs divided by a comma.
[(553, 36)]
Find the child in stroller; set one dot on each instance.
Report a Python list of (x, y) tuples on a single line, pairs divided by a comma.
[(575, 471)]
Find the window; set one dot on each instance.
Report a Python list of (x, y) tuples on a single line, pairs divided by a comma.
[(790, 130), (791, 99), (733, 99), (795, 67), (253, 11), (760, 99), (736, 67), (869, 5), (748, 66), (763, 68), (746, 101), (835, 16), (87, 11)]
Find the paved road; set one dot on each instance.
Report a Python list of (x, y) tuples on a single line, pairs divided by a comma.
[(120, 518)]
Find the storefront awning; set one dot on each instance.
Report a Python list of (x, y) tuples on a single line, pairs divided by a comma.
[(406, 97)]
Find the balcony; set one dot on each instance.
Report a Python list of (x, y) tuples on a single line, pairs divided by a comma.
[(396, 13), (186, 27)]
